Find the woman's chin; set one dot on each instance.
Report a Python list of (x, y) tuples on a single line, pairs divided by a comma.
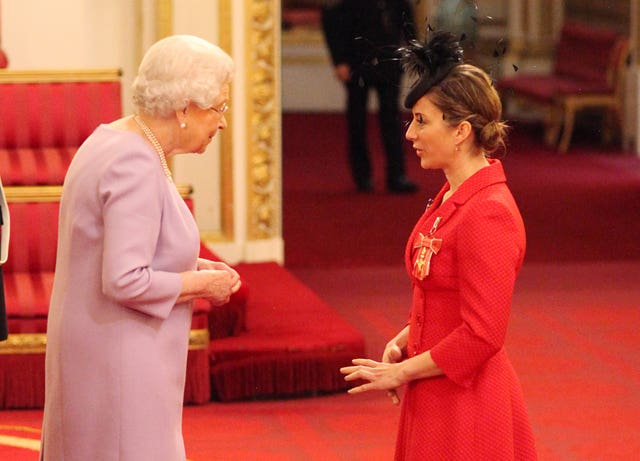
[(201, 149)]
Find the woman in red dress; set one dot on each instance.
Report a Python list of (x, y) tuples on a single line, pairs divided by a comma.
[(463, 400)]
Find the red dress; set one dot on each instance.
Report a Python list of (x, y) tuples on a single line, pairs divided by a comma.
[(460, 311)]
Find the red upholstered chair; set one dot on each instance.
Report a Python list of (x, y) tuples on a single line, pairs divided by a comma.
[(35, 165), (588, 72), (46, 115), (28, 280), (28, 273)]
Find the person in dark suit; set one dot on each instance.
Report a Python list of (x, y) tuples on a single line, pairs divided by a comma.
[(362, 36)]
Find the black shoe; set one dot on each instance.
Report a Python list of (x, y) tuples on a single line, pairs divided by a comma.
[(402, 185), (364, 186)]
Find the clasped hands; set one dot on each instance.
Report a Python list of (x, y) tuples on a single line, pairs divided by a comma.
[(223, 281)]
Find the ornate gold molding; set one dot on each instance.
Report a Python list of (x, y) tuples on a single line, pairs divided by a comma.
[(225, 42), (24, 343), (18, 194), (59, 75), (164, 18), (263, 117), (199, 339), (36, 343)]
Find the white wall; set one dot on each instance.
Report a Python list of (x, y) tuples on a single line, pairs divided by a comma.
[(71, 34), (308, 81), (65, 34)]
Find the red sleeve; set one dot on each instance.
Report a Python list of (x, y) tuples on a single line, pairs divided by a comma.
[(490, 251)]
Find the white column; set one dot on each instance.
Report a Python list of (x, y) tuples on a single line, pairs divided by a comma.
[(515, 36), (515, 25), (557, 16), (534, 24)]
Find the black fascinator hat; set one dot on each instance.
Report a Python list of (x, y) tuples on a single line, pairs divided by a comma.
[(430, 62)]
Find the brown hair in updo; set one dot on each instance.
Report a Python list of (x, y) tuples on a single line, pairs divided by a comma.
[(467, 94)]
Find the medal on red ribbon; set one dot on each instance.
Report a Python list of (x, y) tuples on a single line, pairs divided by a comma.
[(427, 246)]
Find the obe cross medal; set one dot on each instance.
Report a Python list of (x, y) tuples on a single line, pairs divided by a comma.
[(427, 246)]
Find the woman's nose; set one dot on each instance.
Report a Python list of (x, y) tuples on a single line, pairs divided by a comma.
[(409, 133)]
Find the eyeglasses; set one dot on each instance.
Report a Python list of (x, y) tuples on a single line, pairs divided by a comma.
[(222, 109)]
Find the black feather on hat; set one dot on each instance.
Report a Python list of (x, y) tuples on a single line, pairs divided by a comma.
[(430, 62)]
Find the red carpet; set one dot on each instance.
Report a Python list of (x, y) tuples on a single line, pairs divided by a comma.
[(582, 206), (573, 341)]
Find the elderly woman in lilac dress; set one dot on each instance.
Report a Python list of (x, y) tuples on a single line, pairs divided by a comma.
[(128, 267)]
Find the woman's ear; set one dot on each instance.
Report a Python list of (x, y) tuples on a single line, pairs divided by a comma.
[(463, 131), (181, 116)]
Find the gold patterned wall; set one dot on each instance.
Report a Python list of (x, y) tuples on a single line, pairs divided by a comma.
[(164, 18), (226, 142), (263, 118)]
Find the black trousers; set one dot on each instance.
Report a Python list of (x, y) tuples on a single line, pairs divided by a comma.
[(388, 92)]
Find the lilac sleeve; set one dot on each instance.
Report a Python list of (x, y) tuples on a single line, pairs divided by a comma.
[(132, 196)]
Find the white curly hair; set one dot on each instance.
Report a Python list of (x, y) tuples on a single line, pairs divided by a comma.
[(177, 70)]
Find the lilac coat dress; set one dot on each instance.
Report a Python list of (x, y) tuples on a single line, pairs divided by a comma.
[(116, 339)]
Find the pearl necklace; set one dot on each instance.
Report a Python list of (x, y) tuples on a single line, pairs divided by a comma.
[(156, 145)]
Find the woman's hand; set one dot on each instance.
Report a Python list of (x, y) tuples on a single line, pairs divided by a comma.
[(394, 350), (394, 371), (206, 264), (381, 376), (393, 353), (221, 284), (213, 280)]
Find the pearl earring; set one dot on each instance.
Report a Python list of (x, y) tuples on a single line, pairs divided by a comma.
[(183, 125)]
